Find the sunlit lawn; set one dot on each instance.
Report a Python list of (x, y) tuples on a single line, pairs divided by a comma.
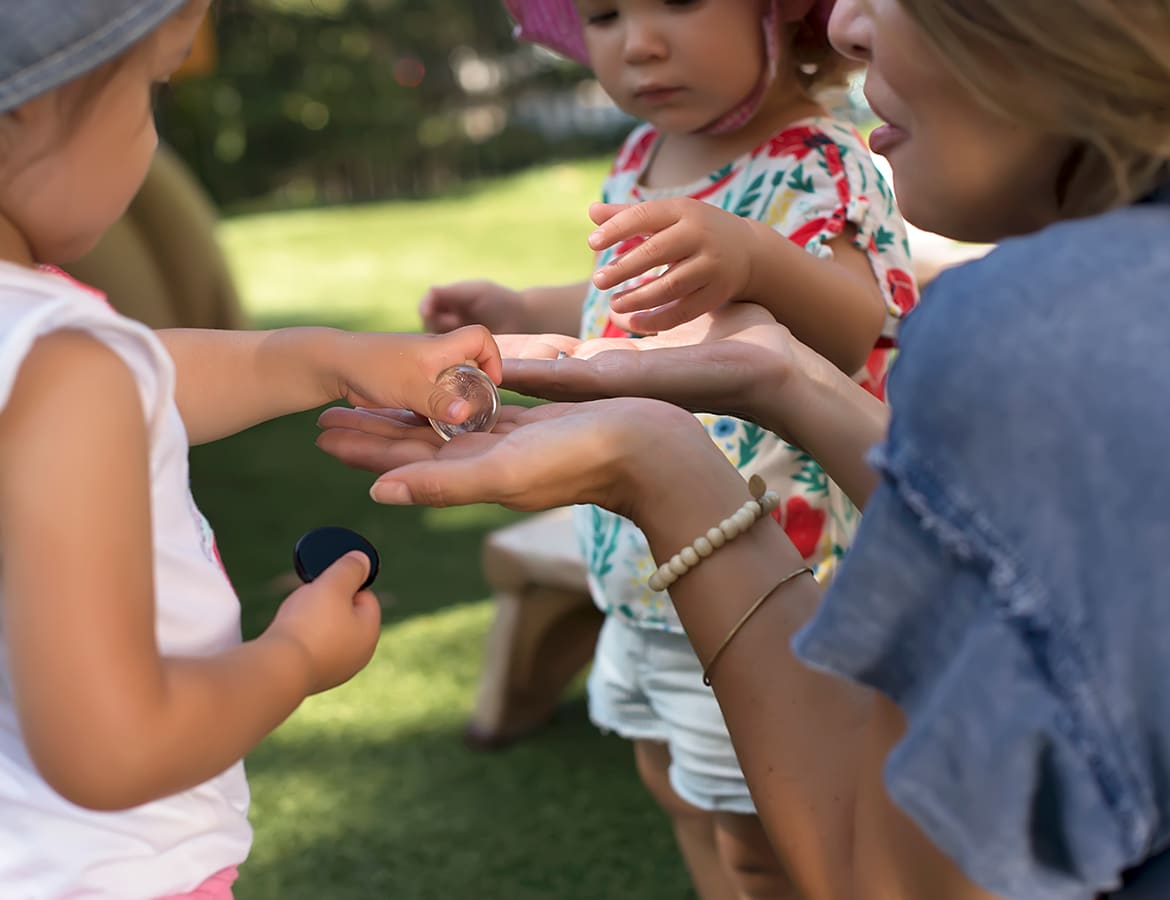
[(367, 792)]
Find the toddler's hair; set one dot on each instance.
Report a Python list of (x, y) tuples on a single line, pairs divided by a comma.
[(818, 66), (1094, 71)]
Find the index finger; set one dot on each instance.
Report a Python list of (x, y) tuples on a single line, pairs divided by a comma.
[(633, 221), (476, 343)]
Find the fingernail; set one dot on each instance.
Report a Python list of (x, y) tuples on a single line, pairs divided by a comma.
[(595, 240), (394, 493), (457, 410)]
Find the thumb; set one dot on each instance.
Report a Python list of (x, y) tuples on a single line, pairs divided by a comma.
[(346, 575), (453, 482), (445, 406)]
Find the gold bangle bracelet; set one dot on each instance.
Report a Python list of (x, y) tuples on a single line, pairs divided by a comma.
[(735, 629)]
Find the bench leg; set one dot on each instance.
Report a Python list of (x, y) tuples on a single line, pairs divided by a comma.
[(540, 639)]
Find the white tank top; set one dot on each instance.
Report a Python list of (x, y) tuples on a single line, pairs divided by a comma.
[(50, 848)]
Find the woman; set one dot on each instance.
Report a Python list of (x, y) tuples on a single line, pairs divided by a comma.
[(996, 717)]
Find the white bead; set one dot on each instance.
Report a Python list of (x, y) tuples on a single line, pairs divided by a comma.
[(716, 537), (744, 519), (668, 577), (690, 556), (704, 547), (656, 583), (729, 528), (677, 566), (770, 501), (754, 508)]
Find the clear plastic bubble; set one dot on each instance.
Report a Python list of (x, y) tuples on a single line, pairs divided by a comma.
[(477, 388)]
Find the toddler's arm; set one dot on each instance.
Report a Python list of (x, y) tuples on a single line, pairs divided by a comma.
[(715, 257), (230, 380), (108, 721)]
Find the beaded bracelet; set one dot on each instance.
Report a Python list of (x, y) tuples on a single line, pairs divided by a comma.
[(763, 502)]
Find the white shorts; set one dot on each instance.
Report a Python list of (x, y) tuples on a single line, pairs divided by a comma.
[(648, 685)]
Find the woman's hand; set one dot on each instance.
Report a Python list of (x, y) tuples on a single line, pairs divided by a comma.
[(736, 361), (607, 452)]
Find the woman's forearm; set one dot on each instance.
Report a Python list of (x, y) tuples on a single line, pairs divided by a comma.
[(830, 417), (796, 731)]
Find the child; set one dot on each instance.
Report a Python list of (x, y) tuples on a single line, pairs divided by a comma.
[(127, 699), (727, 91)]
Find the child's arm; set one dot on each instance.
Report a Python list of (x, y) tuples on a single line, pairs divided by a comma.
[(108, 721), (715, 257), (227, 381), (554, 309)]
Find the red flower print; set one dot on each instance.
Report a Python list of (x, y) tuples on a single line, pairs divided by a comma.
[(637, 154), (903, 291), (808, 231), (803, 524), (626, 246), (612, 331), (797, 142)]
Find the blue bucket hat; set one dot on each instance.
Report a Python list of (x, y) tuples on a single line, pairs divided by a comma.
[(47, 43)]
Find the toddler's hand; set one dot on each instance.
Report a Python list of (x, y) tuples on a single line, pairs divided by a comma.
[(705, 249), (446, 307), (333, 622), (398, 371)]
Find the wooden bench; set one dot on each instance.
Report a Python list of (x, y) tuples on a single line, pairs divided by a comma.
[(544, 631)]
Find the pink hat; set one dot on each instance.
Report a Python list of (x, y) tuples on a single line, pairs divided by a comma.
[(554, 24)]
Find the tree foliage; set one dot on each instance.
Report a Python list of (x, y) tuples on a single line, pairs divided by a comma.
[(347, 100)]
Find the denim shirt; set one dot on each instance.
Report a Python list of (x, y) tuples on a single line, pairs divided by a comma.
[(1009, 587)]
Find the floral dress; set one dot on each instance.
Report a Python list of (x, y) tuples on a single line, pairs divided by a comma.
[(811, 182)]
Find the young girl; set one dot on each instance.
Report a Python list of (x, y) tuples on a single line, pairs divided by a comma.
[(126, 697), (734, 143), (996, 721)]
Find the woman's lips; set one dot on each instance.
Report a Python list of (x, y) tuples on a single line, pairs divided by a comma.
[(885, 138)]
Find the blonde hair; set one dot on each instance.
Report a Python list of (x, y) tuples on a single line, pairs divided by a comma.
[(1096, 72)]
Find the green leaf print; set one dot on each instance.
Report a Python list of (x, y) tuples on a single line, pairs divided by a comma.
[(747, 203), (749, 444), (884, 238), (721, 174), (606, 528), (799, 181), (811, 475)]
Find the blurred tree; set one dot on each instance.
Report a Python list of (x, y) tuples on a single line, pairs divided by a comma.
[(347, 100)]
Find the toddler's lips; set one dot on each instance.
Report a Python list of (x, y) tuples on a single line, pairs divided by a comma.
[(656, 95)]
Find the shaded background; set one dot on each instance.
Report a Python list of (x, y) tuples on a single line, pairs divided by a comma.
[(355, 100)]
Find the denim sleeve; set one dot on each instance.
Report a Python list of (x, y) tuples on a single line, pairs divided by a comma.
[(1009, 585), (998, 766)]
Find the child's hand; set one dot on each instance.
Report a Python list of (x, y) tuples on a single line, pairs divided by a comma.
[(707, 252), (334, 623), (399, 370), (446, 307)]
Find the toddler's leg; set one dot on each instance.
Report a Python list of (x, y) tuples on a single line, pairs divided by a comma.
[(749, 858), (694, 828)]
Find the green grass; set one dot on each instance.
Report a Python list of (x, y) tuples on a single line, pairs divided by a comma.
[(367, 791)]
